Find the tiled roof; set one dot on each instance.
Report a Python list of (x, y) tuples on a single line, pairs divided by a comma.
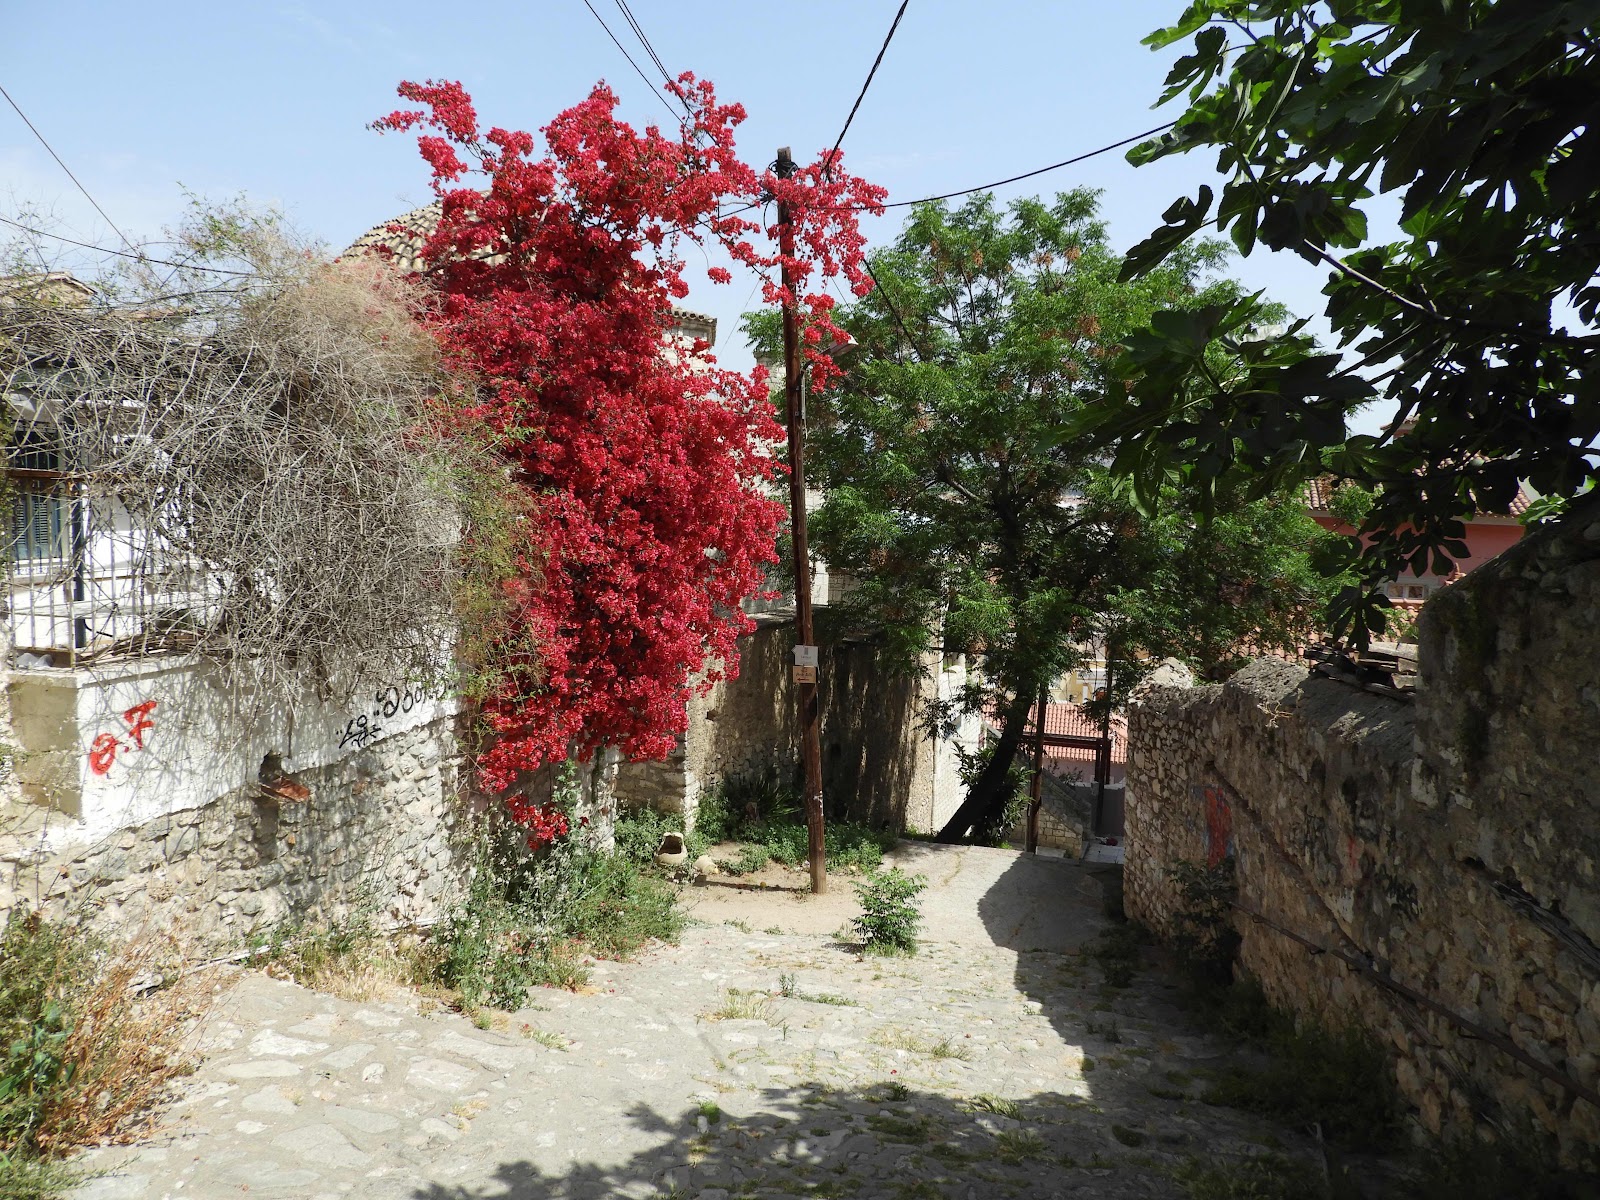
[(405, 246), (1070, 720), (1319, 495)]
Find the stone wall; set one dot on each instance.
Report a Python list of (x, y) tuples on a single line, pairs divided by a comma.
[(372, 830), (1455, 841), (878, 763)]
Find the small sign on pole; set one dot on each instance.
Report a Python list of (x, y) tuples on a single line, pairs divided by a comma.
[(805, 664)]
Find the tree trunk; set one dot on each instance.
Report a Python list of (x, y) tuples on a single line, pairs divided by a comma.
[(987, 797), (594, 817)]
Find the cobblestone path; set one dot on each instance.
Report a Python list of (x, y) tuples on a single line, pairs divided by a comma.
[(995, 1063)]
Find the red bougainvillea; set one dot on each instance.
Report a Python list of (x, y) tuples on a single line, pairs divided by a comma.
[(646, 463)]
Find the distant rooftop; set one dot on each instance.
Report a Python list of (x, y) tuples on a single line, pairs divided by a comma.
[(1320, 491)]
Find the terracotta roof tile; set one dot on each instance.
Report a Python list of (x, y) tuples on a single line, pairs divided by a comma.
[(1319, 494)]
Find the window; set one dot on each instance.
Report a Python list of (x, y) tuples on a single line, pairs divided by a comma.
[(38, 510)]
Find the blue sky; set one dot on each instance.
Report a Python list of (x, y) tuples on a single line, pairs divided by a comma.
[(272, 100)]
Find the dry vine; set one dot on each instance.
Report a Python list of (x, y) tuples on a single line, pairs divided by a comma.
[(263, 468)]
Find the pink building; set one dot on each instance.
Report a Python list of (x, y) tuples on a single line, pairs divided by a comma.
[(1488, 534)]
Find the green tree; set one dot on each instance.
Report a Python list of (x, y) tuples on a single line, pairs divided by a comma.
[(1478, 321), (972, 526)]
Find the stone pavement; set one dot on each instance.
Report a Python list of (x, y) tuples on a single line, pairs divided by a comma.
[(994, 1063)]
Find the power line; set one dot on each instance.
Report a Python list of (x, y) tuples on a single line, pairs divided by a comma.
[(144, 258), (827, 163), (64, 167), (644, 41), (1066, 162), (647, 82)]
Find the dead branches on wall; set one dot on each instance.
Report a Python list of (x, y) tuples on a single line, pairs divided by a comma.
[(263, 468)]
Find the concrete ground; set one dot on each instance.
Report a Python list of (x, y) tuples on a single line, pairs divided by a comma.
[(761, 1057)]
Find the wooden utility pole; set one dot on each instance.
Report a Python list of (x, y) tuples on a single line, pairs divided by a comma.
[(1036, 790), (805, 673)]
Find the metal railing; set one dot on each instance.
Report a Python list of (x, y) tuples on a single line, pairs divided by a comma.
[(85, 579)]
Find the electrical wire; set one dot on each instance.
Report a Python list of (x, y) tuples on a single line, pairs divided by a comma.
[(638, 31), (827, 163), (653, 88), (1066, 162), (64, 167)]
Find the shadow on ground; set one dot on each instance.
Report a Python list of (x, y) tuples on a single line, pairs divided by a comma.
[(882, 1141)]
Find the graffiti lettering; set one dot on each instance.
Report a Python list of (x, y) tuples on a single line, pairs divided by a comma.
[(359, 732), (103, 750), (387, 702), (102, 753)]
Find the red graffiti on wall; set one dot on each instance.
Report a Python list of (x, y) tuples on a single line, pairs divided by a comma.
[(1219, 827), (103, 750)]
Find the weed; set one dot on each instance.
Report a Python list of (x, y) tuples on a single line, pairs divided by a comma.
[(889, 917), (741, 1006), (999, 1105), (1128, 1137), (351, 958), (1108, 1031), (777, 930), (483, 1019), (1166, 1093), (741, 925), (711, 1111), (1014, 1145), (81, 1060), (945, 1048), (525, 920), (545, 1037), (1339, 1079), (897, 1091), (1261, 1177), (752, 858), (790, 990), (1519, 1163), (1117, 952), (920, 1190)]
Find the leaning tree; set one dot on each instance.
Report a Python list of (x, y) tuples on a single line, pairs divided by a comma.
[(973, 525)]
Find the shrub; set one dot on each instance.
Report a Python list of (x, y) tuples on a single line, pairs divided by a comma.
[(81, 1059), (525, 920), (1205, 940), (353, 958), (889, 916)]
